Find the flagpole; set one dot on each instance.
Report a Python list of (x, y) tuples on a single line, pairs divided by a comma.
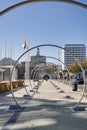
[(27, 61), (26, 47), (5, 48), (1, 63), (11, 54), (11, 58)]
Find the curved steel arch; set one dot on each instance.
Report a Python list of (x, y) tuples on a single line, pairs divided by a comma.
[(34, 69), (39, 67), (80, 4), (43, 66), (52, 45), (59, 61)]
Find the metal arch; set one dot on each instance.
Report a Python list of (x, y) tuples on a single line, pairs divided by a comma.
[(77, 3), (37, 69), (32, 73), (58, 60), (52, 45), (36, 72), (62, 63)]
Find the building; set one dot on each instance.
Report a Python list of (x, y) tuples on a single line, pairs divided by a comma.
[(5, 73), (76, 50), (6, 67), (25, 68), (38, 59), (21, 70)]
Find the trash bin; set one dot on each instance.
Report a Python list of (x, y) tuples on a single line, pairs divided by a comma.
[(74, 86)]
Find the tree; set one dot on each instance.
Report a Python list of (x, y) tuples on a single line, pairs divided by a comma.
[(85, 64), (74, 67)]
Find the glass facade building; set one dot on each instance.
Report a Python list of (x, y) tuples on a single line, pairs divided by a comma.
[(76, 50)]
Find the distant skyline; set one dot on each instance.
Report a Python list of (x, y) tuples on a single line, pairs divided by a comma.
[(42, 23)]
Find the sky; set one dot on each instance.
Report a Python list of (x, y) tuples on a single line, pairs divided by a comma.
[(56, 23)]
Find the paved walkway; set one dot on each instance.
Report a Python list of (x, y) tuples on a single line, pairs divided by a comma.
[(48, 109)]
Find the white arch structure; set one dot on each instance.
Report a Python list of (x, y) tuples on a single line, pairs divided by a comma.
[(37, 69), (43, 66), (56, 46), (77, 3)]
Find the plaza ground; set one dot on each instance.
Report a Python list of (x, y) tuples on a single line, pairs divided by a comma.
[(48, 108)]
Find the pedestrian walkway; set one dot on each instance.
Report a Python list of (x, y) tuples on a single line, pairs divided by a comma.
[(46, 110)]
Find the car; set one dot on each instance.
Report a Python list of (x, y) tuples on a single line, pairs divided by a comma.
[(80, 81), (46, 77)]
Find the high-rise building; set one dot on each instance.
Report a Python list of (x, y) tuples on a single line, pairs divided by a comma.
[(74, 50)]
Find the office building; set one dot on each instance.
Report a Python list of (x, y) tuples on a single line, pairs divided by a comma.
[(74, 50)]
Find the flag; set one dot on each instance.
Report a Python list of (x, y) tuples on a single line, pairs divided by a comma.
[(24, 44)]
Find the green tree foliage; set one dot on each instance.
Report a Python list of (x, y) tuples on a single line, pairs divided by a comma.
[(85, 64), (74, 67)]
